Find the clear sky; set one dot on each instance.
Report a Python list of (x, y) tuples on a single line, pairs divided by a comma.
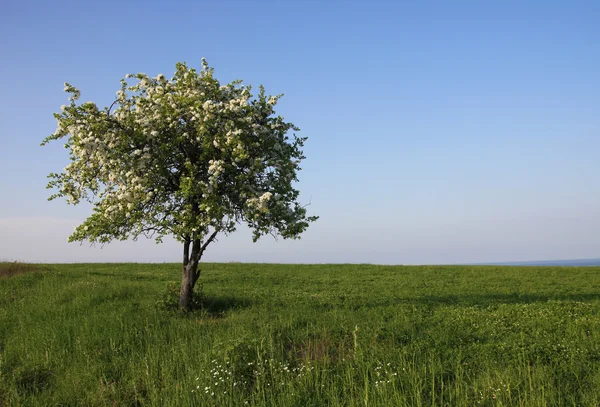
[(439, 131)]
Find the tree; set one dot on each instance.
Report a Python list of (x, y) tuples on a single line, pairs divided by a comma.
[(184, 157)]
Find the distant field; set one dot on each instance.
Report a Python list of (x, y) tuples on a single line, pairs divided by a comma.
[(571, 262), (301, 335)]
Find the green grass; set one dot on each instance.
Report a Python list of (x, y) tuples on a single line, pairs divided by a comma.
[(301, 335)]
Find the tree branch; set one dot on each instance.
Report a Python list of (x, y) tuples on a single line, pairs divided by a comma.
[(110, 108), (186, 253), (195, 258), (210, 239)]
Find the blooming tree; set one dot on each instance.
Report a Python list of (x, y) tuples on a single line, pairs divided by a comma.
[(185, 157)]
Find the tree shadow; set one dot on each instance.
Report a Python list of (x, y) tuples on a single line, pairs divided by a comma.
[(218, 307)]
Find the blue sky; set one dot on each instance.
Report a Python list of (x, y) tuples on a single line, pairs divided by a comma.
[(439, 132)]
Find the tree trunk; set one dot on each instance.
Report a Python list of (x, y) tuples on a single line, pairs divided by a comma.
[(189, 271), (186, 294)]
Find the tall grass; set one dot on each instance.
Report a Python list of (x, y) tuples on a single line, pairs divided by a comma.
[(9, 269), (299, 335)]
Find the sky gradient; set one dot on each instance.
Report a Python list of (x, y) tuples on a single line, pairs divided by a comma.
[(438, 132)]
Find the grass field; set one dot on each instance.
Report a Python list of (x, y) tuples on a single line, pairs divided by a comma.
[(301, 335)]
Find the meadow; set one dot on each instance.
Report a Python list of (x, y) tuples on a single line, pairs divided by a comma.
[(300, 335)]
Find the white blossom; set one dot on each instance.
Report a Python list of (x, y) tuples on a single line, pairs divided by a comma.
[(265, 197)]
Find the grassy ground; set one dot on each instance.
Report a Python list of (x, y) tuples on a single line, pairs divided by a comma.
[(295, 335)]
